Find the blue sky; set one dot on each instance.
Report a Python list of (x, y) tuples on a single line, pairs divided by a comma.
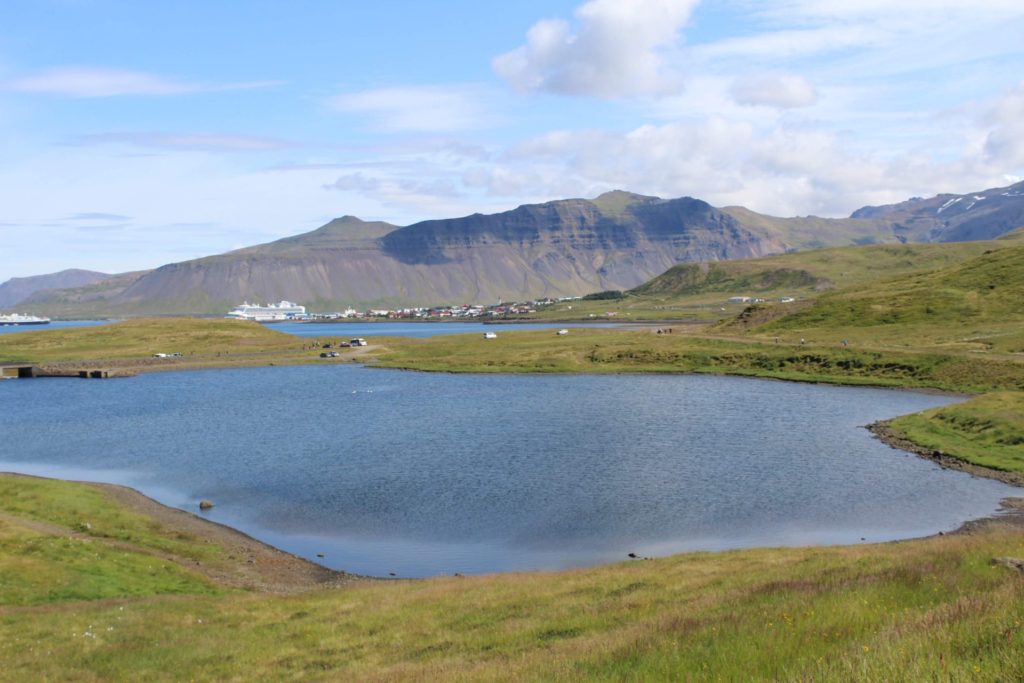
[(137, 134)]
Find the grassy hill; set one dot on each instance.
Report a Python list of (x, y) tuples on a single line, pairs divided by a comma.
[(699, 291), (973, 305)]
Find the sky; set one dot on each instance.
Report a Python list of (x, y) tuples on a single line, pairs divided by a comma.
[(134, 134)]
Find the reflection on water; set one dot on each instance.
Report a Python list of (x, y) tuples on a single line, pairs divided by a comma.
[(418, 474)]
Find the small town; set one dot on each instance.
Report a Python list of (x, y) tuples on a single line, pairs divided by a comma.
[(462, 311)]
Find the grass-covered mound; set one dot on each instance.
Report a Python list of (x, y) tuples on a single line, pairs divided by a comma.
[(987, 430), (808, 272), (141, 338), (119, 602), (970, 305)]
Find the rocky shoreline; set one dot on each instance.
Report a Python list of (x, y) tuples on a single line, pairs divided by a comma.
[(884, 432)]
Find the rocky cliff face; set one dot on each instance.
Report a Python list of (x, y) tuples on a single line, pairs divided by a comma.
[(953, 218), (560, 248)]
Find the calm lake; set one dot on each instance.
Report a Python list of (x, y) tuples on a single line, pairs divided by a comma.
[(350, 329), (422, 474), (55, 325)]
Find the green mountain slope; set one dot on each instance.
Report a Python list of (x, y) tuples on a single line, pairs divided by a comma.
[(974, 304)]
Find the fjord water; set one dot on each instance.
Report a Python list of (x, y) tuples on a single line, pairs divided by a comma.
[(420, 474), (346, 330)]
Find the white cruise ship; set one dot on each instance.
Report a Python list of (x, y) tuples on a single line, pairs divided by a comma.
[(285, 310), (19, 319)]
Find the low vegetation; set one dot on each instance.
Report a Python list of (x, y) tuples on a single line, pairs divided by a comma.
[(603, 351), (76, 606), (971, 305), (986, 431), (140, 338)]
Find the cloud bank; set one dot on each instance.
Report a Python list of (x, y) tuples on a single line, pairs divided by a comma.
[(617, 50)]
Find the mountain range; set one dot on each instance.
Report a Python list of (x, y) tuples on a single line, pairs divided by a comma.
[(560, 248)]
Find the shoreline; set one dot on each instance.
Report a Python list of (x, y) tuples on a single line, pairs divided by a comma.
[(253, 565), (257, 566), (883, 431)]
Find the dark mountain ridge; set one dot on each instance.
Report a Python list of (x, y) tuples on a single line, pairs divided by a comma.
[(568, 247), (982, 215), (18, 289)]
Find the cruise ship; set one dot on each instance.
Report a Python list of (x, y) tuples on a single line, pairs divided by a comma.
[(284, 310), (19, 319)]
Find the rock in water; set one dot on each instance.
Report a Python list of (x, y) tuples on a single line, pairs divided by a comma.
[(205, 504)]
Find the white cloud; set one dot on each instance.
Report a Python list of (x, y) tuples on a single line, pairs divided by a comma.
[(618, 50), (1004, 138), (429, 108), (776, 167), (782, 91), (85, 81)]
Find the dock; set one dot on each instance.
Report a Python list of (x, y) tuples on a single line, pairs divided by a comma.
[(25, 371)]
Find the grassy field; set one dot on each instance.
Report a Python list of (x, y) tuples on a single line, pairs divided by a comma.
[(610, 351), (143, 337), (75, 607)]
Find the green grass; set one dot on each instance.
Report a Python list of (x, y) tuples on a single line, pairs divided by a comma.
[(986, 431), (143, 337), (60, 541), (88, 512), (973, 305), (934, 609), (38, 568), (612, 351)]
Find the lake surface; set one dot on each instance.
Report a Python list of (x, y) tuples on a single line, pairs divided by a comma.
[(349, 330), (406, 329), (421, 474), (55, 325)]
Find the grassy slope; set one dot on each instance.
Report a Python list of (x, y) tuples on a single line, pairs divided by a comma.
[(811, 232), (840, 267), (987, 430), (698, 292), (972, 305), (934, 608), (62, 542)]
